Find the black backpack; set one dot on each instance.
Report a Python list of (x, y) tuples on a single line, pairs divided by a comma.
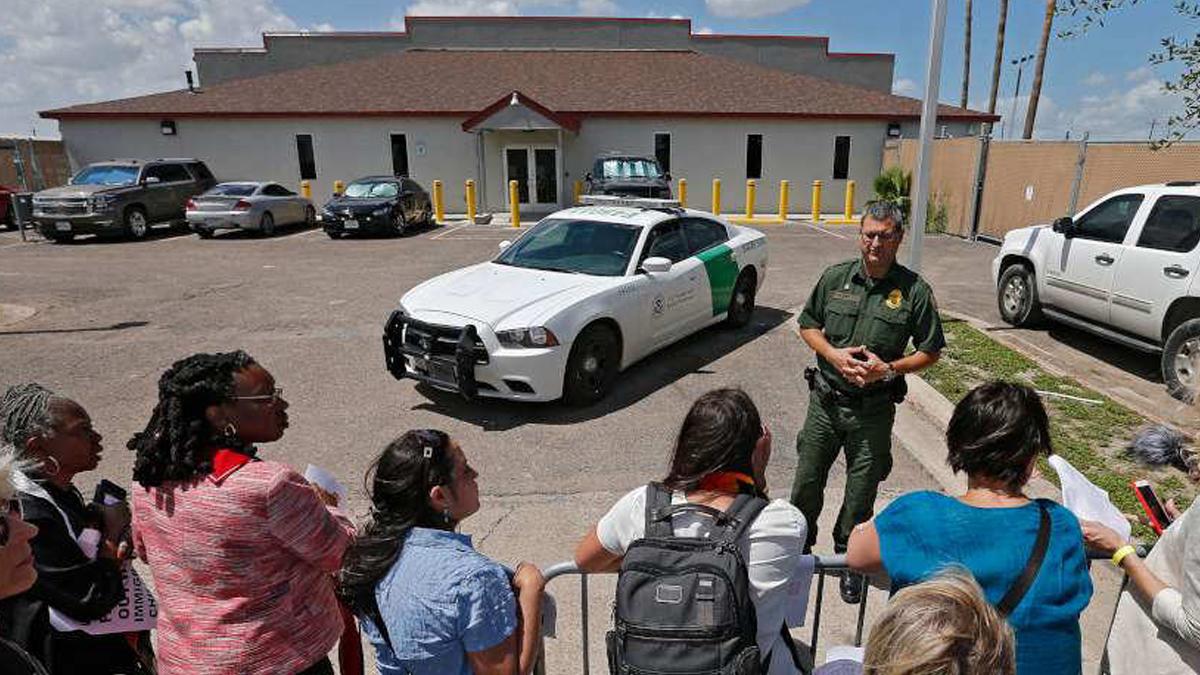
[(684, 605)]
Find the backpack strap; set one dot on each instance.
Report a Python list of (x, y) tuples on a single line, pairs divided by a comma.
[(741, 514), (658, 514), (1021, 586)]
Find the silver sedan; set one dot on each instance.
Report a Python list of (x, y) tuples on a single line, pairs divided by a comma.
[(260, 206)]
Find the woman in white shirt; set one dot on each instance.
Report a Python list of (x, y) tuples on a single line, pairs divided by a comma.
[(722, 451)]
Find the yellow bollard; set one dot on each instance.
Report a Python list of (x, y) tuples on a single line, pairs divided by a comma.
[(306, 189), (784, 198), (514, 206), (338, 187), (578, 190), (716, 197), (470, 201), (751, 193), (439, 207), (849, 210), (683, 192), (816, 201)]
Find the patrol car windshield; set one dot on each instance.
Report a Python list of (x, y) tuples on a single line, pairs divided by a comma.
[(574, 246), (372, 190), (629, 167), (106, 175)]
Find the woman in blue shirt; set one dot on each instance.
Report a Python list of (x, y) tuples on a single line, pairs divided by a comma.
[(430, 603), (995, 435)]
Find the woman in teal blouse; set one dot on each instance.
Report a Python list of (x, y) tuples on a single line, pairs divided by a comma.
[(995, 435)]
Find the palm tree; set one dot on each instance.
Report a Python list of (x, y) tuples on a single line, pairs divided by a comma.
[(893, 185), (1037, 71), (966, 81), (998, 61)]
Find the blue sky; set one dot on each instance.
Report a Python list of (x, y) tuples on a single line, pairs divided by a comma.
[(1100, 82)]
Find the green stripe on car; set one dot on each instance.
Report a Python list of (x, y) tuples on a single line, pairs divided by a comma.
[(722, 272)]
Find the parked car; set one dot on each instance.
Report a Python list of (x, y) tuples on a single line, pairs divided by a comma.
[(578, 298), (120, 197), (628, 176), (6, 206), (248, 205), (1125, 268), (381, 204)]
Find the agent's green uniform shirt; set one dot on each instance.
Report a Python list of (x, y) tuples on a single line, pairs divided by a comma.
[(881, 314)]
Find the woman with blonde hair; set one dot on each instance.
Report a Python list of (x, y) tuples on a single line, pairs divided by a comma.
[(943, 626)]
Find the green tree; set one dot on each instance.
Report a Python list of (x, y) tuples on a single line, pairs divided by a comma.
[(893, 186), (1173, 50)]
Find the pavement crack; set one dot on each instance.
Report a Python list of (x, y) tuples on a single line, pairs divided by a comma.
[(484, 537)]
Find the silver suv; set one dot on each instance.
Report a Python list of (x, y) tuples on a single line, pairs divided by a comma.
[(120, 197), (1125, 268)]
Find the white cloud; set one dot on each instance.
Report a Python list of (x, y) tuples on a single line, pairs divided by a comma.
[(705, 30), (751, 9), (1096, 79), (598, 8), (85, 51), (905, 87), (1122, 112), (503, 8)]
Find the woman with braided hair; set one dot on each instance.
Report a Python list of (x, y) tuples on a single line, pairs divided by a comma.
[(80, 548), (242, 549)]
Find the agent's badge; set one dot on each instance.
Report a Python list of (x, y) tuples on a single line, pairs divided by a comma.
[(894, 298)]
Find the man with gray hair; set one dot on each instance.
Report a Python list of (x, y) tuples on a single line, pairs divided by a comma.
[(859, 320)]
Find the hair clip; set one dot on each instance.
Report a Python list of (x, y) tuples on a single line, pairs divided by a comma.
[(428, 452)]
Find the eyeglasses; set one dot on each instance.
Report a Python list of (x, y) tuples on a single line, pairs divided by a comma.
[(14, 508), (883, 237), (273, 397)]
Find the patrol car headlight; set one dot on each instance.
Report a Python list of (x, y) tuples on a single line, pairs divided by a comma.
[(537, 336), (381, 212)]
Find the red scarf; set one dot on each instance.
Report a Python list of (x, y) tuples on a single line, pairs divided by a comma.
[(225, 461), (732, 482)]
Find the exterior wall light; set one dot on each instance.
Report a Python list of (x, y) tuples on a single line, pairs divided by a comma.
[(168, 127)]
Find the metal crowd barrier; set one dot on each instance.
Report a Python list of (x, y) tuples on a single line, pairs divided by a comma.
[(824, 565)]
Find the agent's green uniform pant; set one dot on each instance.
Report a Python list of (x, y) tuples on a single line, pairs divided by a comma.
[(866, 434)]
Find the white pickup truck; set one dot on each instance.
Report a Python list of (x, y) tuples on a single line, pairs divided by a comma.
[(1124, 268)]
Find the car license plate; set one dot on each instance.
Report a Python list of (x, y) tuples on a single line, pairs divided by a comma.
[(350, 224), (62, 226), (438, 370)]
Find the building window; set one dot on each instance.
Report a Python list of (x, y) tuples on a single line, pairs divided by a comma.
[(754, 156), (399, 155), (304, 151), (841, 157), (662, 151)]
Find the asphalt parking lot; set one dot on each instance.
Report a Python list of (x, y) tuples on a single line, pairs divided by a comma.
[(111, 316)]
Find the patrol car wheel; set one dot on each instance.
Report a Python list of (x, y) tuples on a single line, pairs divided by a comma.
[(1017, 296), (1181, 361), (741, 303), (593, 365)]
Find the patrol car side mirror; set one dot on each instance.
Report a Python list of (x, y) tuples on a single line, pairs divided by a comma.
[(1064, 226), (505, 244), (656, 265)]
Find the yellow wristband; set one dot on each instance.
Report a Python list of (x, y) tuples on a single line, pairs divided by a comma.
[(1122, 553)]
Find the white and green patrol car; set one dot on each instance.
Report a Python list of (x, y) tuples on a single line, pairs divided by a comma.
[(582, 295)]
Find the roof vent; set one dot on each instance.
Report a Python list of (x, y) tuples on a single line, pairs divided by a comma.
[(191, 83)]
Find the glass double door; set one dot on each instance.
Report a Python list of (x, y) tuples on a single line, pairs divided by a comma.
[(535, 168)]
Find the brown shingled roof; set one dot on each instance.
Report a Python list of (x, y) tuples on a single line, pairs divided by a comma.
[(462, 82)]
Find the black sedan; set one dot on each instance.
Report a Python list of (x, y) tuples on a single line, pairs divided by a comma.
[(381, 204)]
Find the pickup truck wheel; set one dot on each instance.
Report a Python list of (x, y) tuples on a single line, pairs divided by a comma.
[(741, 303), (1017, 297), (136, 224), (1181, 361), (593, 365)]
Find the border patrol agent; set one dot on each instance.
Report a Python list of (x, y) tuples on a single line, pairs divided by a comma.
[(859, 320)]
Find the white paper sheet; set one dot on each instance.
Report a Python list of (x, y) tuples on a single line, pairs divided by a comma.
[(1087, 501), (136, 612), (797, 604), (325, 480), (844, 653)]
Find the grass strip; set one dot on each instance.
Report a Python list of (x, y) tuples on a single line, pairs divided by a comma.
[(1092, 437)]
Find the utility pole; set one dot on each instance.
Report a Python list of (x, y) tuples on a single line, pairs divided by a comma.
[(933, 76)]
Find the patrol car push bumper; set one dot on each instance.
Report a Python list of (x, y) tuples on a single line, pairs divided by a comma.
[(439, 359)]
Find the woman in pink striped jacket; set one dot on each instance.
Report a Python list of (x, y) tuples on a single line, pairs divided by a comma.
[(242, 550)]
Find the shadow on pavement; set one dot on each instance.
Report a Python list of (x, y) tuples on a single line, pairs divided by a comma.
[(689, 355), (1139, 364)]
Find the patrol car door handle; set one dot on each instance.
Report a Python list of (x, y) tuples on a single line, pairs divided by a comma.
[(1175, 272), (1104, 259)]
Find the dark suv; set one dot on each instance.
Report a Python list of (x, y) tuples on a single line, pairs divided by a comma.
[(627, 176), (120, 197)]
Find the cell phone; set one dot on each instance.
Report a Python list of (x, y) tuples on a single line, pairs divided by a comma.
[(1159, 520), (108, 492)]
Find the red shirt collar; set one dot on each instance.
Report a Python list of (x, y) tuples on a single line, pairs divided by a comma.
[(225, 462)]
